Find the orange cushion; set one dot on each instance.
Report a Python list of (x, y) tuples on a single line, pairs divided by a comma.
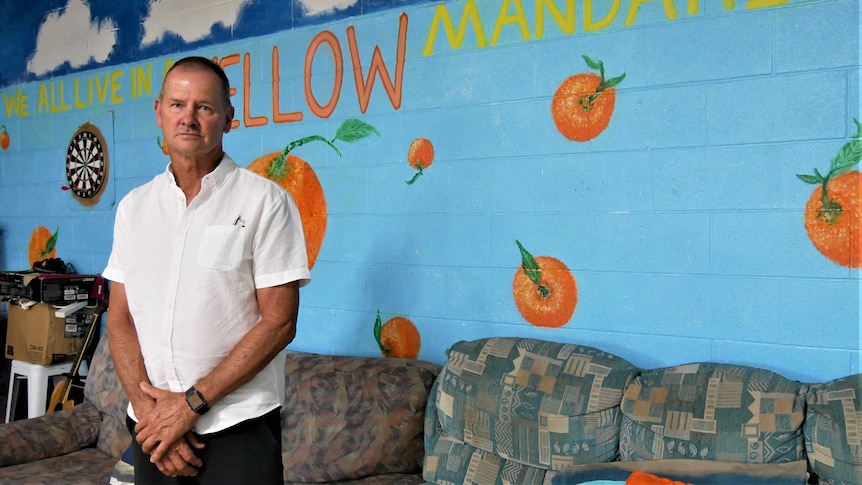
[(641, 478)]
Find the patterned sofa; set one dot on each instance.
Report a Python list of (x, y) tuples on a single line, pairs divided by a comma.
[(500, 411), (346, 419), (527, 411)]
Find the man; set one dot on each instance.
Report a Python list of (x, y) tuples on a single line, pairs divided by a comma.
[(206, 266)]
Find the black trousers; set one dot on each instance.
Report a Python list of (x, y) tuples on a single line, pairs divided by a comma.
[(249, 452)]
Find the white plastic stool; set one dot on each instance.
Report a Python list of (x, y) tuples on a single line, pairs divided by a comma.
[(37, 384)]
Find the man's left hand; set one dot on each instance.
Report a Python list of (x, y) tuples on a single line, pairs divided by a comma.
[(168, 421)]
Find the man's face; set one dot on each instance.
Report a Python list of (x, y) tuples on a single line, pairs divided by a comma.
[(192, 113)]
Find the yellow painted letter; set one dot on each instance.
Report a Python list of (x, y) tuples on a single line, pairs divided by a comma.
[(590, 25), (441, 16), (755, 4), (43, 99), (566, 24), (115, 86), (669, 10), (78, 104), (503, 18)]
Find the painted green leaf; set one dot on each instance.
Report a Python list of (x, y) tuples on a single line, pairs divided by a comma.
[(808, 179), (415, 176), (847, 158), (593, 64), (353, 129), (50, 244), (378, 326), (277, 170), (531, 268), (849, 155), (613, 81)]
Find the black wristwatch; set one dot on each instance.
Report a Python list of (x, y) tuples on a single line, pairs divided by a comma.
[(196, 401)]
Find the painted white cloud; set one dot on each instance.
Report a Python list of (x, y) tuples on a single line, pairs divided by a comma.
[(68, 35), (316, 7), (190, 19)]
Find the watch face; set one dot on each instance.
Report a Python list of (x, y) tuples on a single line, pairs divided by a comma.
[(86, 163), (194, 399)]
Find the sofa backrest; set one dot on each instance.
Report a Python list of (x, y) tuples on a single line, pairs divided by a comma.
[(833, 430), (103, 389), (511, 409), (346, 418), (710, 411)]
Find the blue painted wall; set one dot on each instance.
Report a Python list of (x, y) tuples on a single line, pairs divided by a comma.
[(682, 222)]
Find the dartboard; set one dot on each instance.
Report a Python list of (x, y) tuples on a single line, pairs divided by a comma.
[(86, 162)]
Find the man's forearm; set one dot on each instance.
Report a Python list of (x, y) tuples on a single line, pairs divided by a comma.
[(123, 340)]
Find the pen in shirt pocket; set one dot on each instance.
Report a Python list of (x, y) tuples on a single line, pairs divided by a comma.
[(239, 221)]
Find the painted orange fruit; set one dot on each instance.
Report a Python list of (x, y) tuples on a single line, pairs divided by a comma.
[(544, 289), (42, 245), (834, 222), (301, 182), (833, 214), (420, 156), (583, 103), (4, 137), (397, 338)]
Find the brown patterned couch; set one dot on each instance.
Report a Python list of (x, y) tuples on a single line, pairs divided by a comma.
[(346, 419)]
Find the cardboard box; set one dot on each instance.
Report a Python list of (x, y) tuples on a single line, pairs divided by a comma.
[(37, 336), (56, 288)]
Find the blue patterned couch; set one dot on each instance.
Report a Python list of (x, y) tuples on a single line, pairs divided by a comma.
[(526, 411), (355, 420)]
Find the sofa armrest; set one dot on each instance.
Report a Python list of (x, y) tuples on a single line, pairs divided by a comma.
[(50, 435)]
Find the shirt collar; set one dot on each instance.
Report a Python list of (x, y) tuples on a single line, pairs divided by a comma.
[(213, 179)]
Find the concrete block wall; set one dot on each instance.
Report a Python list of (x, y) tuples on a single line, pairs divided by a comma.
[(682, 222)]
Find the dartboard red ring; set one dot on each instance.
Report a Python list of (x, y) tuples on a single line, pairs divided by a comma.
[(87, 163)]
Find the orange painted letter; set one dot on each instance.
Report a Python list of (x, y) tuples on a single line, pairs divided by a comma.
[(328, 38), (246, 96), (364, 87), (278, 116)]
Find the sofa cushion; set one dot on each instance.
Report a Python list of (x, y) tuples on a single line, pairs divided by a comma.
[(89, 465), (832, 430), (104, 390), (346, 418), (49, 435), (517, 407), (713, 412)]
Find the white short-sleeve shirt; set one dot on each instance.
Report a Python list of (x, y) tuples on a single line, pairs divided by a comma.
[(190, 275)]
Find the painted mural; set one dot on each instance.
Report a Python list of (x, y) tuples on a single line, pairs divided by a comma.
[(644, 177), (47, 38), (298, 178), (42, 245), (833, 214), (583, 104), (397, 338), (544, 290)]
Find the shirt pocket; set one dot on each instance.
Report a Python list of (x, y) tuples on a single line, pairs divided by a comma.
[(221, 247)]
